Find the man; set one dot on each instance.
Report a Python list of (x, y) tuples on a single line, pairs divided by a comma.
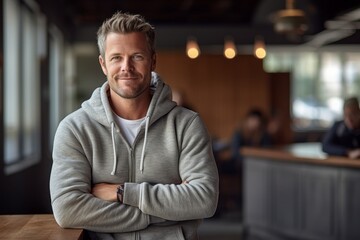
[(343, 139), (131, 164), (252, 132)]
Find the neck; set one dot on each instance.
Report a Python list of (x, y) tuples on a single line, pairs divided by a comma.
[(130, 109)]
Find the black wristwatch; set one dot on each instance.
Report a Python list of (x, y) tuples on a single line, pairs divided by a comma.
[(120, 193)]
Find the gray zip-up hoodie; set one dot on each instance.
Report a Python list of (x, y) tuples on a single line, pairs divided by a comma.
[(172, 147)]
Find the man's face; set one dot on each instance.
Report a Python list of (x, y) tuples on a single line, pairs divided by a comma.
[(352, 117), (128, 64), (253, 124)]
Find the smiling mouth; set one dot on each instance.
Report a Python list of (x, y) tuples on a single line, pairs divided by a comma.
[(125, 78)]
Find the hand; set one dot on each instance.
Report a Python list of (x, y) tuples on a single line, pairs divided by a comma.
[(354, 153), (105, 191)]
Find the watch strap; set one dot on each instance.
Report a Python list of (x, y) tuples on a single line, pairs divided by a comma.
[(120, 193)]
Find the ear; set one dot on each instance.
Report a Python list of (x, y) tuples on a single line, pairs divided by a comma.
[(102, 64), (153, 64)]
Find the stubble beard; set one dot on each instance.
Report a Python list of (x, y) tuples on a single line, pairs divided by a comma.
[(128, 91)]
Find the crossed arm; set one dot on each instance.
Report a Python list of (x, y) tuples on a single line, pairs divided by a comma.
[(107, 191)]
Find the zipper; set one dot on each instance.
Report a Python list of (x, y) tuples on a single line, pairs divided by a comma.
[(132, 163), (131, 156), (131, 166)]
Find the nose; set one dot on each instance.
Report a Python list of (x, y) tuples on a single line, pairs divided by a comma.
[(127, 65)]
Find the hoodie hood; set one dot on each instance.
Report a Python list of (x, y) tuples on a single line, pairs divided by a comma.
[(98, 108)]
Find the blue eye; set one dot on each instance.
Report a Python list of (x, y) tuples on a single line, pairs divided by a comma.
[(138, 57)]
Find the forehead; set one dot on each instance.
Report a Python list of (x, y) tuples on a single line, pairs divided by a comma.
[(133, 40), (351, 109)]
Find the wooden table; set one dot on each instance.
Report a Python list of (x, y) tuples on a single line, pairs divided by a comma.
[(35, 227)]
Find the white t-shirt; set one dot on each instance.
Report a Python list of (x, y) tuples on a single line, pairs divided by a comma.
[(130, 128)]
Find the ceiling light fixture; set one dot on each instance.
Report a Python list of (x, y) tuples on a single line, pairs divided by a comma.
[(192, 48), (290, 20), (229, 48), (259, 48)]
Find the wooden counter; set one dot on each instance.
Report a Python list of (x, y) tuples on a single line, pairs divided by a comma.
[(300, 193), (35, 227), (310, 153)]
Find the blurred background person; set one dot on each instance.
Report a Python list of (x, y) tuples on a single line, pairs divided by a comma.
[(252, 132), (343, 138)]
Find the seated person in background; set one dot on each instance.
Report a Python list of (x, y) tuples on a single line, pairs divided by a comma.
[(252, 132), (343, 138)]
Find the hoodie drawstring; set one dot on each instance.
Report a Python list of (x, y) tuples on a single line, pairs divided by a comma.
[(147, 120), (114, 147)]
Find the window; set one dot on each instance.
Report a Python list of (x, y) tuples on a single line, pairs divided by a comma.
[(21, 85), (352, 73), (62, 79), (56, 79), (320, 82)]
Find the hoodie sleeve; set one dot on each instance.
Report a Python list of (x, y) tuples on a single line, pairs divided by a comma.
[(195, 199), (70, 186)]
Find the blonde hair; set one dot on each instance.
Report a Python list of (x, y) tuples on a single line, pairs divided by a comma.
[(125, 23)]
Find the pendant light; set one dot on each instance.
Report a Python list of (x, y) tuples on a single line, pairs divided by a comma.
[(259, 48), (192, 48), (229, 48)]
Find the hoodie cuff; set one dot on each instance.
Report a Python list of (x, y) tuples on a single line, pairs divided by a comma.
[(132, 194)]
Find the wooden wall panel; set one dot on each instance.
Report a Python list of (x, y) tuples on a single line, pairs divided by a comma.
[(280, 107), (221, 90)]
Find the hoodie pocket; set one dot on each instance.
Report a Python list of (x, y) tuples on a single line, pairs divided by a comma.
[(162, 232)]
